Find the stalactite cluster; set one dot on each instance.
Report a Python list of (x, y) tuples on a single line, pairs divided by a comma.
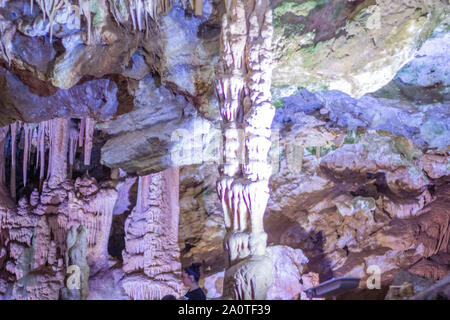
[(50, 7), (151, 255), (139, 10), (58, 138), (36, 229), (243, 80)]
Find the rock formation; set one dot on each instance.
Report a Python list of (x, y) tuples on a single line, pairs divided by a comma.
[(37, 228), (243, 89), (151, 256)]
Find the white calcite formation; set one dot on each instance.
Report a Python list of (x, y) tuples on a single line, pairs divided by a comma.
[(65, 222), (151, 259), (243, 80), (35, 230), (38, 228), (137, 11), (58, 138)]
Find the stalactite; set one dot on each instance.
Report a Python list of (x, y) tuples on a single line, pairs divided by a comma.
[(49, 9), (59, 141), (142, 194), (243, 80), (41, 150), (50, 151), (198, 7), (39, 223), (73, 142), (13, 127), (89, 134), (3, 136), (139, 9), (81, 134), (85, 9), (27, 130), (57, 136)]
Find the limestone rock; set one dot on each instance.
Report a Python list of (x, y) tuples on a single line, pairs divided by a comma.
[(381, 36)]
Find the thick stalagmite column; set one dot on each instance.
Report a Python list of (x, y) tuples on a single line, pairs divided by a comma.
[(243, 81), (151, 255)]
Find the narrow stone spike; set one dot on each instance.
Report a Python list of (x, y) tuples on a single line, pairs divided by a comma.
[(30, 139), (81, 134), (139, 13), (142, 196), (26, 149), (73, 141), (50, 152), (3, 136), (37, 145), (2, 162), (13, 127), (85, 9), (41, 148), (198, 7)]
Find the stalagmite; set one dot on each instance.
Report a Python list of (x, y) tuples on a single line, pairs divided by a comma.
[(243, 81), (88, 136), (151, 255)]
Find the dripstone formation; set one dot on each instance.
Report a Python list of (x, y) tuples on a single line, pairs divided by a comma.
[(243, 80)]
